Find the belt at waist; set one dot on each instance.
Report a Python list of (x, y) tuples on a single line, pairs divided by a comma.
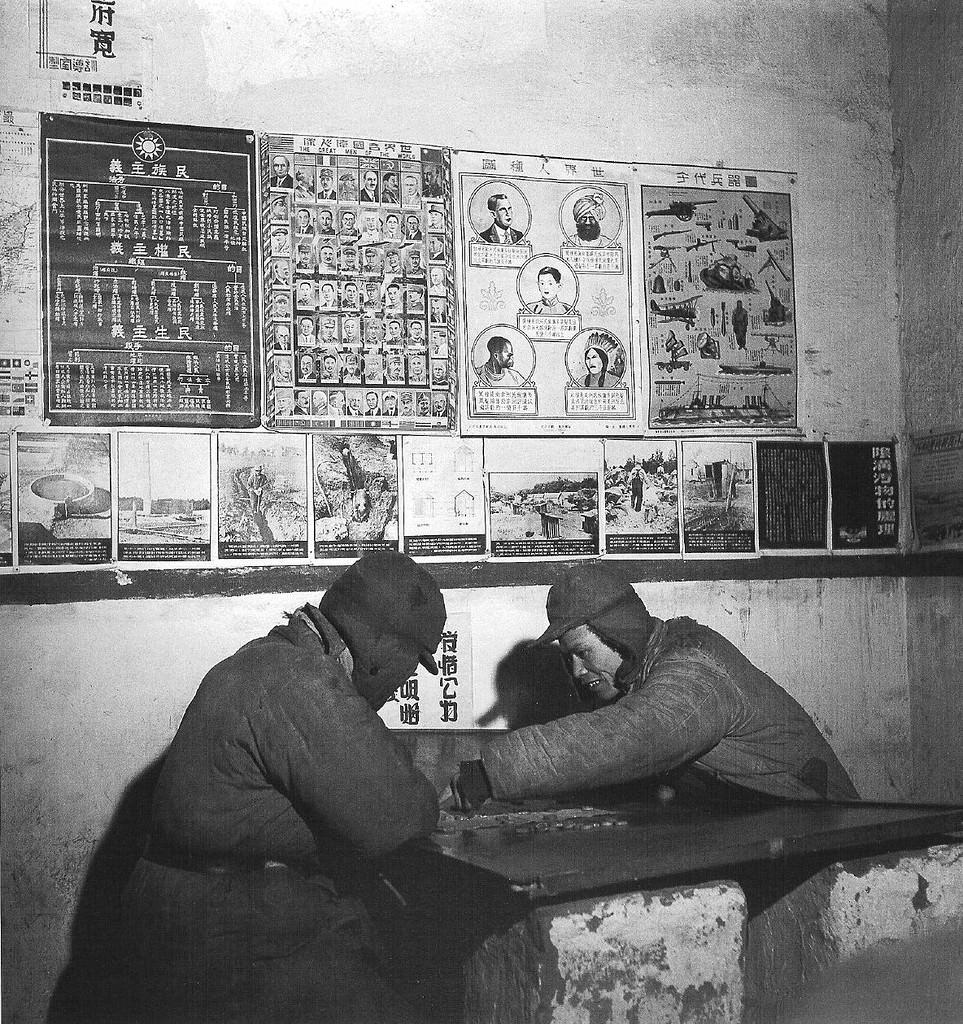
[(213, 864)]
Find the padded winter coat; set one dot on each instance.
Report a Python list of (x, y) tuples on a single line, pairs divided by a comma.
[(690, 698), (280, 784)]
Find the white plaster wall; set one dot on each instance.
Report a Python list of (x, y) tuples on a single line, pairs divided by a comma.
[(927, 43), (92, 692), (927, 47), (788, 84)]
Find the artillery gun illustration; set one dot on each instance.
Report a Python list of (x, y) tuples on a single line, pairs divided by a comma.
[(763, 226), (777, 315), (681, 209)]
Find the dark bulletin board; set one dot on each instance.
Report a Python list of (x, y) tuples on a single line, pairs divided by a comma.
[(150, 299)]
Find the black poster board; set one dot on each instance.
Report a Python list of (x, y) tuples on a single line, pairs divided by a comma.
[(150, 296), (793, 495), (865, 497)]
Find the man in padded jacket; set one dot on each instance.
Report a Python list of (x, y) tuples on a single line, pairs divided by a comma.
[(280, 787), (668, 698)]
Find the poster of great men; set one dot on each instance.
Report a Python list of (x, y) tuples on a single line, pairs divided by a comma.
[(545, 284), (356, 264)]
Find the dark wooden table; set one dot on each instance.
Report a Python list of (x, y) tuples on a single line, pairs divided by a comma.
[(548, 852)]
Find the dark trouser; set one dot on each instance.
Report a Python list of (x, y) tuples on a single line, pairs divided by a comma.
[(255, 947)]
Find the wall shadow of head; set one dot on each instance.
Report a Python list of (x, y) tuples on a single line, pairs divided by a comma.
[(94, 985), (532, 686)]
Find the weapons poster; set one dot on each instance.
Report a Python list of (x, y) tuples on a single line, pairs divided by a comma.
[(936, 475), (720, 311), (793, 496), (6, 507), (150, 296), (864, 495), (355, 494), (63, 498), (545, 276), (543, 499), (442, 701), (164, 497), (641, 498), (718, 498), (444, 496), (357, 271), (262, 496)]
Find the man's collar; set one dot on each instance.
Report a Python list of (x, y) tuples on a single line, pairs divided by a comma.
[(311, 617)]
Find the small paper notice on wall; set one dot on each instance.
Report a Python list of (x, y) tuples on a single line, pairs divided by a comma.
[(355, 494), (64, 498), (19, 268), (641, 498), (443, 701), (6, 516), (718, 498), (865, 495), (164, 497), (793, 495), (97, 50), (543, 497), (444, 496), (936, 476), (262, 496)]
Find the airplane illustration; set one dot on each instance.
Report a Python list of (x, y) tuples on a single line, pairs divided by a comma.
[(683, 310)]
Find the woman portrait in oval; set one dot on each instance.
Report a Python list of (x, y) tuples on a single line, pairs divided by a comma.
[(597, 364), (595, 358)]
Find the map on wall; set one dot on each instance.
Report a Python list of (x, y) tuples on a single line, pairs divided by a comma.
[(357, 268), (719, 303), (546, 290), (19, 271), (149, 293)]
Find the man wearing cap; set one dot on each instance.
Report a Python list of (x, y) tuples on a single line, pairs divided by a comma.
[(589, 212), (280, 788), (665, 697)]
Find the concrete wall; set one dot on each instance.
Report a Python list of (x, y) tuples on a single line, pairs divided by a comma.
[(927, 87), (93, 692)]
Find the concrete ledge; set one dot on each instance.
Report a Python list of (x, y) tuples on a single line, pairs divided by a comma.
[(672, 956), (847, 909)]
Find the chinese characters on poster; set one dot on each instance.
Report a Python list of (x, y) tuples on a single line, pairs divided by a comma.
[(793, 495), (442, 701), (719, 303), (357, 268), (164, 503), (546, 295), (641, 498), (718, 498), (936, 475), (444, 496), (63, 498), (864, 495), (149, 293)]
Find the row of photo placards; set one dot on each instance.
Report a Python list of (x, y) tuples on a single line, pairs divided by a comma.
[(85, 498)]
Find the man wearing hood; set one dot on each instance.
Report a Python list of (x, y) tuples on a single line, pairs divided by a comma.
[(666, 697), (280, 788)]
